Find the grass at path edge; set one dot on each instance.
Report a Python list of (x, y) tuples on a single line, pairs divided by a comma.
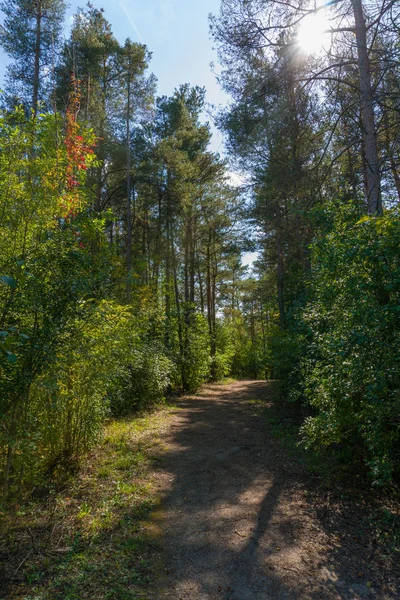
[(93, 538)]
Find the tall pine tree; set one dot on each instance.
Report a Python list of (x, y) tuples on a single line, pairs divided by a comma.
[(30, 35)]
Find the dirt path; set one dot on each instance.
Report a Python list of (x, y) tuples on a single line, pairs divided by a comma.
[(238, 520)]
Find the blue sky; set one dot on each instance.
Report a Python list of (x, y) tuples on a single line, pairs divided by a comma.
[(175, 31)]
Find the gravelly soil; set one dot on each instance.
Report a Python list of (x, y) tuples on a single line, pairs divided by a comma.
[(239, 520)]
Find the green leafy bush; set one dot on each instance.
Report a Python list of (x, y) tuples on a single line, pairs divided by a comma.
[(141, 381), (285, 350), (103, 367), (50, 280), (351, 369)]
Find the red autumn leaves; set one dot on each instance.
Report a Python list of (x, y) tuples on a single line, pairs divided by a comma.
[(77, 154)]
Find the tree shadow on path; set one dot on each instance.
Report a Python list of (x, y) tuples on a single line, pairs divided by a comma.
[(237, 524)]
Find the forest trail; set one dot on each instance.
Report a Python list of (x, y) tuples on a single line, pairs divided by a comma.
[(238, 521)]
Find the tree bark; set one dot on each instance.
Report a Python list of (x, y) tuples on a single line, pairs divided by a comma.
[(201, 291), (374, 201), (178, 316), (128, 195), (36, 72), (281, 284), (210, 319)]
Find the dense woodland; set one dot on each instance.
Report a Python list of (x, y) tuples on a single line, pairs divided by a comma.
[(122, 236)]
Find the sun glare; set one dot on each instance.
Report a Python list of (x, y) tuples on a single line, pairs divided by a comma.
[(312, 35)]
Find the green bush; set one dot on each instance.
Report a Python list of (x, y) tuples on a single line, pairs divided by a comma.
[(143, 381), (54, 265), (286, 348), (227, 332), (102, 367), (351, 370)]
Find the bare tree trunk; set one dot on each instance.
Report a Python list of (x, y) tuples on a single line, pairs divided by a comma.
[(262, 328), (36, 72), (157, 257), (168, 274), (209, 296), (395, 173), (187, 254), (192, 260), (281, 283), (145, 245), (201, 292), (233, 301), (178, 316), (211, 289), (374, 201), (128, 196)]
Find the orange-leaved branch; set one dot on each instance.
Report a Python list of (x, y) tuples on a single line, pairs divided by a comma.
[(79, 154)]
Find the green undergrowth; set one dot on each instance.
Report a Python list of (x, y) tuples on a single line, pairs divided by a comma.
[(94, 538)]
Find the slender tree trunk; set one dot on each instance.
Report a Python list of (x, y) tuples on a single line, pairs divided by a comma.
[(395, 173), (36, 72), (374, 201), (252, 328), (210, 285), (145, 233), (233, 291), (201, 292), (128, 196), (168, 277), (364, 168), (262, 328), (187, 254), (281, 283), (192, 260), (112, 234), (157, 257), (213, 319), (178, 316), (208, 289)]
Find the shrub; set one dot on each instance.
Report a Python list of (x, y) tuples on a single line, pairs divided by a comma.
[(351, 370), (143, 381)]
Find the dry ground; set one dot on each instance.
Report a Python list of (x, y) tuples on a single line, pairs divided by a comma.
[(242, 520)]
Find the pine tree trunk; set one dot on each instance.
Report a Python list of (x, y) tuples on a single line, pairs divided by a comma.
[(192, 258), (36, 73), (178, 316), (128, 197), (374, 201), (201, 292), (281, 284)]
